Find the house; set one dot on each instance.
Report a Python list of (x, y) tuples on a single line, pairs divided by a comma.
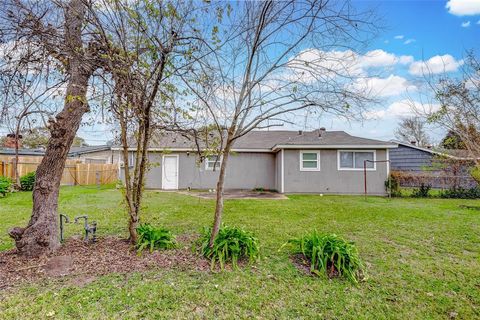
[(316, 161), (439, 168), (94, 154)]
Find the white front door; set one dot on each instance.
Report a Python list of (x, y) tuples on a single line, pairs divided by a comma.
[(170, 172)]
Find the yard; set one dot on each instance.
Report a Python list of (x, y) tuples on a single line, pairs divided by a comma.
[(422, 258)]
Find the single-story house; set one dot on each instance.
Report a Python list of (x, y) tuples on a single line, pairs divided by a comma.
[(316, 161), (94, 154), (439, 168)]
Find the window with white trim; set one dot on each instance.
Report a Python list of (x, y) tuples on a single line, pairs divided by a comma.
[(212, 162), (354, 160), (309, 160)]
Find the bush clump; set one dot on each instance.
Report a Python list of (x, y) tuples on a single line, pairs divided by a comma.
[(422, 192), (27, 181), (460, 193), (329, 254), (154, 238), (392, 185), (231, 245), (5, 186)]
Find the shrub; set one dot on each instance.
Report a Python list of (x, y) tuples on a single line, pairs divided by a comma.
[(460, 193), (5, 186), (154, 238), (330, 255), (27, 181), (231, 245), (422, 192), (393, 186)]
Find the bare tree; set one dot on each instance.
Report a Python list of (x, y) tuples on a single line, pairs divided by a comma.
[(56, 29), (147, 44), (274, 59), (412, 129), (459, 100)]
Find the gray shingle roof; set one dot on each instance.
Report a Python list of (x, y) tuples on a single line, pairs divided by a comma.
[(273, 139)]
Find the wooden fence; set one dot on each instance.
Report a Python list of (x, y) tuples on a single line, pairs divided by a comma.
[(75, 172)]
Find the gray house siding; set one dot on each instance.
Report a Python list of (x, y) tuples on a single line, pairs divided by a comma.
[(246, 170), (404, 158), (329, 179)]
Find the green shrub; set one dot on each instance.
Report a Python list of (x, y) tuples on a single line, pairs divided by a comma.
[(5, 186), (422, 192), (330, 255), (154, 238), (460, 193), (392, 185), (27, 181), (231, 245)]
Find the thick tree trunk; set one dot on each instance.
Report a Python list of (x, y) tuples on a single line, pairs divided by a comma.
[(41, 234), (217, 222)]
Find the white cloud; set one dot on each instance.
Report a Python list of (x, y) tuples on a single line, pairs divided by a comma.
[(384, 87), (408, 41), (380, 58), (435, 65), (465, 24), (399, 37), (402, 108), (463, 7)]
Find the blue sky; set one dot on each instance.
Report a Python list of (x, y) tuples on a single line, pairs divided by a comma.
[(436, 32), (414, 35)]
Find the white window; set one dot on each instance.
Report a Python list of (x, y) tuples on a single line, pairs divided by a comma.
[(355, 159), (212, 162), (309, 161)]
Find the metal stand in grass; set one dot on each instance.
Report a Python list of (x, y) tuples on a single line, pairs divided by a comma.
[(365, 176)]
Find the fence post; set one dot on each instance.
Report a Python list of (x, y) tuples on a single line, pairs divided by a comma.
[(4, 169), (97, 178)]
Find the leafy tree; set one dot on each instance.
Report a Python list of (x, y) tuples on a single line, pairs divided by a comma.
[(452, 140)]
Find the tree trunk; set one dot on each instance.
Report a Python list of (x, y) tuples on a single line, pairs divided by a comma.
[(41, 234), (217, 222)]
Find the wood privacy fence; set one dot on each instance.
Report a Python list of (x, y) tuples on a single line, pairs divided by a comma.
[(75, 172)]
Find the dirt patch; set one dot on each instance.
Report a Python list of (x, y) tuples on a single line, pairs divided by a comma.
[(301, 264), (84, 262), (238, 194)]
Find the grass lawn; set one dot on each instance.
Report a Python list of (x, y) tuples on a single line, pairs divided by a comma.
[(422, 258)]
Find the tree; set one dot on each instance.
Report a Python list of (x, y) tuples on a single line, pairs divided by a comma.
[(273, 59), (156, 41), (413, 129), (452, 140), (38, 137), (57, 30), (459, 111)]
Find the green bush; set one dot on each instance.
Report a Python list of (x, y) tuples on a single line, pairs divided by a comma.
[(422, 192), (5, 186), (460, 193), (329, 254), (154, 238), (27, 181), (231, 245), (392, 185)]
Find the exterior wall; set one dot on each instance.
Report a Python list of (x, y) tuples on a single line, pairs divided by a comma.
[(246, 170), (404, 158), (331, 180)]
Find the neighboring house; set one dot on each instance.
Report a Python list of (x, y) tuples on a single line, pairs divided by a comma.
[(94, 154), (318, 161), (428, 163)]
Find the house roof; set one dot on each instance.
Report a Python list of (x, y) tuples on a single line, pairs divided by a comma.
[(268, 141), (76, 151), (22, 152), (458, 154)]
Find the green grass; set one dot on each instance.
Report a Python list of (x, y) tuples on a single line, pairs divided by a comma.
[(422, 257)]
